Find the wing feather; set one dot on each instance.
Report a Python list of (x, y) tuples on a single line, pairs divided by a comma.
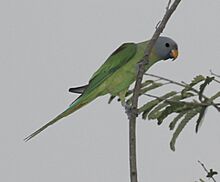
[(116, 60)]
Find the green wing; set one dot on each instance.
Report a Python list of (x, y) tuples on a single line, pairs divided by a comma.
[(116, 60)]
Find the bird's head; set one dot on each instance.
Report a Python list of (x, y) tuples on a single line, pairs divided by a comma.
[(166, 48)]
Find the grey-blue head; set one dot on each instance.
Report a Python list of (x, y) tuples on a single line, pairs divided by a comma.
[(166, 48)]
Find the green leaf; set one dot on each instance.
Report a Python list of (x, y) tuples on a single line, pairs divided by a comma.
[(156, 111), (151, 87), (147, 108), (176, 119), (189, 115), (166, 112), (144, 90), (215, 96), (146, 83), (202, 87), (182, 96), (150, 105), (194, 82), (201, 116), (175, 107)]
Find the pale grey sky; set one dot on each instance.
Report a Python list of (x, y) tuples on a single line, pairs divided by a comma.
[(49, 45)]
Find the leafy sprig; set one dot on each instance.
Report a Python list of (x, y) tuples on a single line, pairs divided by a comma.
[(186, 103)]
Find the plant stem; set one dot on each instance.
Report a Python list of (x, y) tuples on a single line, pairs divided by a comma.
[(141, 71)]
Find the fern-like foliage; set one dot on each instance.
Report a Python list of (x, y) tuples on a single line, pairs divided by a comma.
[(187, 103)]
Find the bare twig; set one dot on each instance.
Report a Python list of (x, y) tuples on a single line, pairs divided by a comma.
[(217, 81), (133, 114), (214, 74), (206, 170), (165, 79), (156, 27), (168, 5)]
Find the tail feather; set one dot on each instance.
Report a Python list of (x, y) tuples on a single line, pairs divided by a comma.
[(75, 106), (78, 90)]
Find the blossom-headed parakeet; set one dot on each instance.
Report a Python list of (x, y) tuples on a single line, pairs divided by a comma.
[(117, 74)]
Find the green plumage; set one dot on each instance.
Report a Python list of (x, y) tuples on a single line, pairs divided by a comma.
[(113, 77)]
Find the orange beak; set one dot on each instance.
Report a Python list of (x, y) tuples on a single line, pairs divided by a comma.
[(174, 54)]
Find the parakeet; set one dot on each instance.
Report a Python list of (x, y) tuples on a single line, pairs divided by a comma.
[(116, 74)]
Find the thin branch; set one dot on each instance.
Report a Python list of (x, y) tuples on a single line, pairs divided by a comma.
[(217, 81), (156, 27), (165, 79), (206, 170), (214, 74), (133, 113), (168, 5)]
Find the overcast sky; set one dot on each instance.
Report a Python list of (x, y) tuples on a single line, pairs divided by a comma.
[(47, 46)]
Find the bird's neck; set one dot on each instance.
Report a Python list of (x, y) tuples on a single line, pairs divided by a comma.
[(153, 58)]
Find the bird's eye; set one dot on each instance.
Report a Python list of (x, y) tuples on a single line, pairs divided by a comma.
[(167, 45)]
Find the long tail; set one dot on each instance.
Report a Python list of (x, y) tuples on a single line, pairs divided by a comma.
[(77, 104), (78, 90)]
